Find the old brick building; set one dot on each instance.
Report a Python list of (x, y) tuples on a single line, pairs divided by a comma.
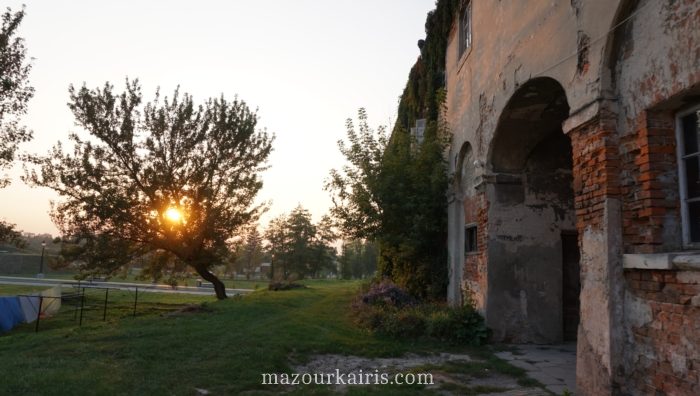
[(575, 211)]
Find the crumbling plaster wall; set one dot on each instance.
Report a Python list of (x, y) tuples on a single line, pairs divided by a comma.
[(512, 43), (655, 70), (623, 91)]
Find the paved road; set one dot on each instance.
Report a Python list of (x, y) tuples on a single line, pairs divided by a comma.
[(143, 287)]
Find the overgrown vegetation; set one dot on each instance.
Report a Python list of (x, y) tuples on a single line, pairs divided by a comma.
[(386, 309), (393, 189)]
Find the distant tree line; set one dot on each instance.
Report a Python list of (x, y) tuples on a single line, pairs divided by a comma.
[(300, 248), (358, 260)]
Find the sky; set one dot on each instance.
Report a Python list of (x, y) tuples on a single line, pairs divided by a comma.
[(305, 65)]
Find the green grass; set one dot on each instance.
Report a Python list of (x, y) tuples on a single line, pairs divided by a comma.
[(13, 290), (224, 349)]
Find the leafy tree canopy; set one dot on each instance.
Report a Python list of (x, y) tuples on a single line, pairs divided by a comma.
[(357, 205), (300, 247), (15, 93), (358, 259), (249, 252), (170, 176), (393, 191)]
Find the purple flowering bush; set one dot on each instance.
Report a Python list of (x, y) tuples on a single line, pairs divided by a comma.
[(386, 293)]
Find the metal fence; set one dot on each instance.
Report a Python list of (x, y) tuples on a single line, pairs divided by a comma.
[(83, 299)]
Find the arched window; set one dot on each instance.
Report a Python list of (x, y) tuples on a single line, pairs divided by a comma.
[(465, 28), (466, 190), (466, 171)]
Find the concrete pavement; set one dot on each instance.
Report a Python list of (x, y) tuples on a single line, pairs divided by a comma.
[(553, 365)]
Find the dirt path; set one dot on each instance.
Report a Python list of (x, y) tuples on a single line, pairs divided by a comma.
[(452, 374)]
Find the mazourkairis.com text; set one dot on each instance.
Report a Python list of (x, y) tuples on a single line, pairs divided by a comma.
[(338, 378)]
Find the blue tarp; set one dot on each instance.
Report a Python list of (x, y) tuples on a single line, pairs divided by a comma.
[(10, 313)]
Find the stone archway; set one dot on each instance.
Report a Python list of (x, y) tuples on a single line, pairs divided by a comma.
[(462, 193), (533, 274)]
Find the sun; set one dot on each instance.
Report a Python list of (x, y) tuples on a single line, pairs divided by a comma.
[(173, 214)]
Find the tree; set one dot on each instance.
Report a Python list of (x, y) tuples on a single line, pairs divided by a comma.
[(358, 259), (393, 191), (277, 245), (355, 189), (15, 93), (251, 252), (170, 177), (301, 233), (325, 254), (299, 246)]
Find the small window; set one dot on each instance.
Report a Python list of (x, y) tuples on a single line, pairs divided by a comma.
[(465, 28), (470, 238), (689, 174)]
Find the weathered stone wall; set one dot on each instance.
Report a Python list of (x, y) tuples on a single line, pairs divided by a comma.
[(528, 214), (514, 42), (655, 69), (596, 189), (626, 67)]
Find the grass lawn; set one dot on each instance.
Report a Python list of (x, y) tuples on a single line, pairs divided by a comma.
[(224, 350)]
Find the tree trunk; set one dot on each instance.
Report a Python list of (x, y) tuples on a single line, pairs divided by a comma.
[(219, 286)]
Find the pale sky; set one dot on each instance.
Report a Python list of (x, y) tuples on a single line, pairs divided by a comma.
[(307, 65)]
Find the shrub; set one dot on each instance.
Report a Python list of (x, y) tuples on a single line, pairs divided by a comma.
[(439, 324), (388, 294), (277, 286), (387, 309), (469, 326), (408, 322)]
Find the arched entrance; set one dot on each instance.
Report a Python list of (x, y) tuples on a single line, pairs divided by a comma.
[(463, 220), (533, 257)]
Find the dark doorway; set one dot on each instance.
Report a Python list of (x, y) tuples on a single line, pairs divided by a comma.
[(571, 287)]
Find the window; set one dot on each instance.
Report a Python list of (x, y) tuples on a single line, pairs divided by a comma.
[(470, 238), (465, 28), (689, 173)]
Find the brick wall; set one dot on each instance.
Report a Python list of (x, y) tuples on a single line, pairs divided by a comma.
[(596, 168), (664, 346), (476, 211), (649, 185)]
